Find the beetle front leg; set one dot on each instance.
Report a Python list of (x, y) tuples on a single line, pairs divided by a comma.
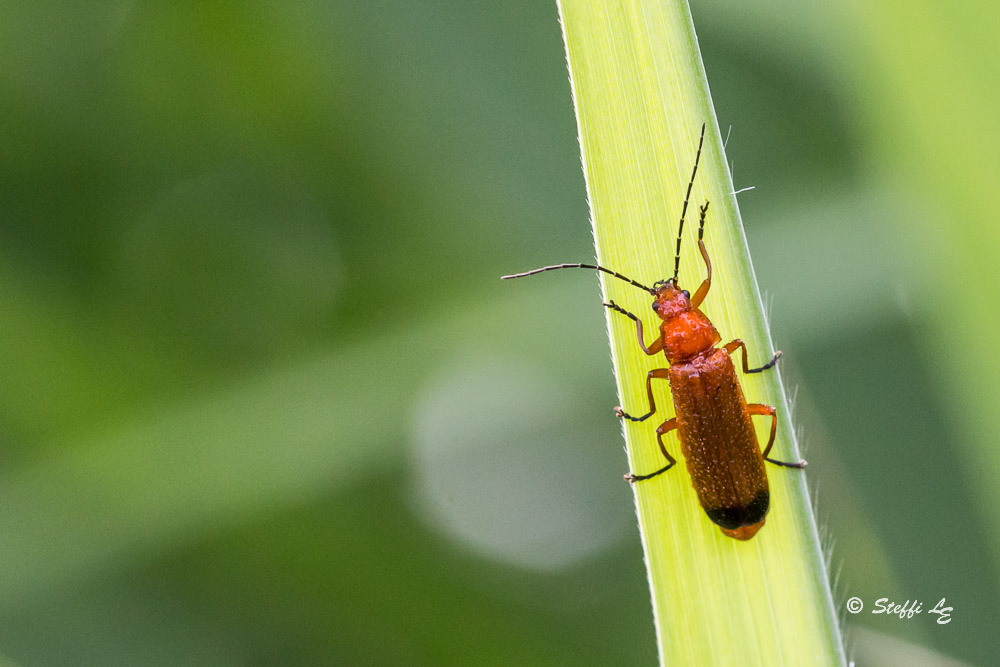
[(665, 427), (655, 346), (706, 284), (659, 373), (760, 409), (737, 344)]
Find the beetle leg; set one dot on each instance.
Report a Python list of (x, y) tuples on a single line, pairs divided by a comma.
[(760, 409), (665, 427), (702, 292), (659, 373), (737, 344), (655, 346)]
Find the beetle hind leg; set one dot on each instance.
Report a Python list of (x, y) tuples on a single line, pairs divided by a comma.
[(760, 409)]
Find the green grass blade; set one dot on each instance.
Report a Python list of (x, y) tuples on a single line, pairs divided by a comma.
[(641, 97)]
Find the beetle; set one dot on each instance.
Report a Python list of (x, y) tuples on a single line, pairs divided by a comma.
[(712, 418)]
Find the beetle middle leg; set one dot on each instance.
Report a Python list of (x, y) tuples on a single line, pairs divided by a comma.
[(665, 427), (737, 344), (659, 373), (760, 409)]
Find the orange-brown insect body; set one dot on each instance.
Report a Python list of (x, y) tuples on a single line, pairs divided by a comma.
[(716, 433), (713, 419)]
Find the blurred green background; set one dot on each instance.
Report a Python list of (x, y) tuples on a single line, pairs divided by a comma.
[(266, 402)]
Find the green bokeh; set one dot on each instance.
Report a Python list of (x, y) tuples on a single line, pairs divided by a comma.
[(248, 253)]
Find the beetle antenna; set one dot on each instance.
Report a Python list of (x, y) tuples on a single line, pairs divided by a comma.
[(687, 197), (580, 266)]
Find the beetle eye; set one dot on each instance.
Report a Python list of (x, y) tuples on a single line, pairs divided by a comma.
[(686, 294), (655, 304)]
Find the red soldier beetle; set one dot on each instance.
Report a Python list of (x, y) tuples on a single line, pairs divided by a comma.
[(712, 418)]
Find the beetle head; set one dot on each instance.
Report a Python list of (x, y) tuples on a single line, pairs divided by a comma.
[(670, 299)]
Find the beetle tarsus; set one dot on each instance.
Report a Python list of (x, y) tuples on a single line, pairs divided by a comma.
[(624, 415), (637, 419), (632, 478), (770, 364), (801, 464)]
